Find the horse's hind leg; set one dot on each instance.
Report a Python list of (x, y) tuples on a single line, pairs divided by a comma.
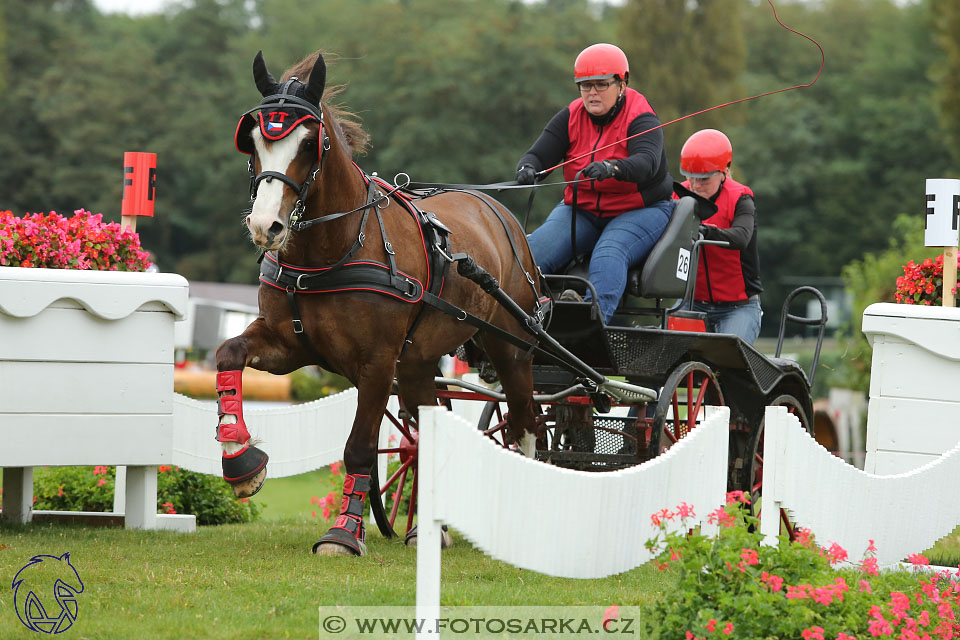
[(516, 375), (244, 465)]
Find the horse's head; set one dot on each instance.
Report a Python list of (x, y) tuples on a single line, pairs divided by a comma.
[(286, 150)]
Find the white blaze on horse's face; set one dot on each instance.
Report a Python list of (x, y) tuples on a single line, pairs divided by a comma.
[(271, 210)]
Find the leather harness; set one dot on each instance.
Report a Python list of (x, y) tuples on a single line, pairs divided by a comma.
[(384, 278)]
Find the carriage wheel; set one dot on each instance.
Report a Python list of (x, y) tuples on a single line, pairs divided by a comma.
[(394, 504), (687, 390), (756, 461)]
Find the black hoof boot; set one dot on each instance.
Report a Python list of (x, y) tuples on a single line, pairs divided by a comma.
[(244, 465)]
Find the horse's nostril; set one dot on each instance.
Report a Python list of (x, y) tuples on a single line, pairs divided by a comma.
[(275, 229)]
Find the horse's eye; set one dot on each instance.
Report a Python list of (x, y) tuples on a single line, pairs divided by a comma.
[(309, 145)]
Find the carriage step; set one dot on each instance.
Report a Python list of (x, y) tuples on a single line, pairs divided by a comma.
[(626, 392), (588, 461)]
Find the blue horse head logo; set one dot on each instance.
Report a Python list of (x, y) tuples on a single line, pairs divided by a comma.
[(43, 576)]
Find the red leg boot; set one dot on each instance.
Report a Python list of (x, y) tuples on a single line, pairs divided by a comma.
[(248, 461), (348, 530)]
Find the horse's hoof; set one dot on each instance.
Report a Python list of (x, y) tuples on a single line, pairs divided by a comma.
[(249, 487), (334, 549), (446, 540), (245, 470), (339, 542)]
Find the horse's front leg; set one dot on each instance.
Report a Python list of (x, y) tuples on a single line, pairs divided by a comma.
[(244, 465), (348, 535)]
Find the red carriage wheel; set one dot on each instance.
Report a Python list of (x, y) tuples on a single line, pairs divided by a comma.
[(756, 461), (394, 501), (688, 389)]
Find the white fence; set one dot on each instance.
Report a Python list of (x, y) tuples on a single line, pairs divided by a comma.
[(555, 521), (904, 513)]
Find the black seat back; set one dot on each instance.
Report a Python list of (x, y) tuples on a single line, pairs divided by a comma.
[(664, 274)]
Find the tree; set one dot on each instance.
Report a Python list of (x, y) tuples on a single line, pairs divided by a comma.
[(945, 19), (685, 56)]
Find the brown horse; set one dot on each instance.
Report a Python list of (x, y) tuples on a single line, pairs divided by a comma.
[(343, 291)]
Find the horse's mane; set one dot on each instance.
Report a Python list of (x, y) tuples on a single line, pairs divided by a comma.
[(346, 122)]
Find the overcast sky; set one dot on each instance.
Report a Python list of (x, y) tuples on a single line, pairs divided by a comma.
[(130, 6)]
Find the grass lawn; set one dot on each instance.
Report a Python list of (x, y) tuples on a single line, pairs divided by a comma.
[(260, 580)]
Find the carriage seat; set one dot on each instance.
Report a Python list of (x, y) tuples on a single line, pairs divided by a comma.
[(660, 275)]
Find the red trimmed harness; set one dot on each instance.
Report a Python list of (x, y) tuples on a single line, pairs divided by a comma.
[(367, 275)]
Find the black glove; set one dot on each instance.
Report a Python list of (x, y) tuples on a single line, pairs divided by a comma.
[(600, 170), (526, 174), (707, 231)]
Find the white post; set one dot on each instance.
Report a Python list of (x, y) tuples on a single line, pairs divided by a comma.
[(18, 494), (141, 511), (120, 489), (428, 529), (770, 510)]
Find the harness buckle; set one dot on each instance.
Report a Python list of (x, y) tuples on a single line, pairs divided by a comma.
[(297, 326), (389, 248), (443, 253), (361, 238), (298, 285)]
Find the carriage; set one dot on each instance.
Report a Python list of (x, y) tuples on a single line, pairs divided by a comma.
[(377, 281), (663, 348)]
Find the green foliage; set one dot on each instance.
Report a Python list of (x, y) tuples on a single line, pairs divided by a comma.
[(178, 491), (733, 585), (74, 488), (700, 57), (945, 21), (208, 497), (871, 279), (312, 383)]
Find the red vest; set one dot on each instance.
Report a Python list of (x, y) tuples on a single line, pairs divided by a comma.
[(726, 282), (609, 197)]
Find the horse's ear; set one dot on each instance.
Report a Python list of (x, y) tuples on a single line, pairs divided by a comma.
[(265, 82), (318, 80)]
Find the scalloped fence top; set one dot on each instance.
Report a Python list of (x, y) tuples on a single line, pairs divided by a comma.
[(110, 295)]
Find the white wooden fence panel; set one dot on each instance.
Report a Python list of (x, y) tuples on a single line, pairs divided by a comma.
[(558, 521), (36, 387), (33, 440), (144, 336), (904, 513), (298, 438)]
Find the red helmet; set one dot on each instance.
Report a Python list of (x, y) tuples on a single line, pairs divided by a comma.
[(599, 62), (704, 152)]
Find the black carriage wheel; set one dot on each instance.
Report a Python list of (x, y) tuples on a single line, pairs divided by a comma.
[(394, 502), (689, 387), (756, 460)]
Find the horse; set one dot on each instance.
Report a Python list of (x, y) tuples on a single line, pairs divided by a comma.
[(370, 301)]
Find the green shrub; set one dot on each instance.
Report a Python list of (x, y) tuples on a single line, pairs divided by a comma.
[(208, 497), (732, 587), (874, 279), (178, 491)]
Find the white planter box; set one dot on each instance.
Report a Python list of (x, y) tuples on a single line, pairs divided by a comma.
[(914, 411), (86, 375)]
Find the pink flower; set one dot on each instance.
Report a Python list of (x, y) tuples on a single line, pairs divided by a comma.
[(685, 511), (749, 556), (917, 559), (612, 613), (813, 633), (101, 482), (843, 636), (335, 468), (728, 628), (836, 553), (737, 496), (865, 587), (711, 625), (774, 582)]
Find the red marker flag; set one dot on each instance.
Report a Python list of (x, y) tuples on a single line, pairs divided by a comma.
[(139, 183)]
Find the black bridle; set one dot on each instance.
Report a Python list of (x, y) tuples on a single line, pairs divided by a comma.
[(280, 100)]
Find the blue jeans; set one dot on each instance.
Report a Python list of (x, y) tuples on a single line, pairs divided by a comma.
[(614, 244), (742, 320)]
